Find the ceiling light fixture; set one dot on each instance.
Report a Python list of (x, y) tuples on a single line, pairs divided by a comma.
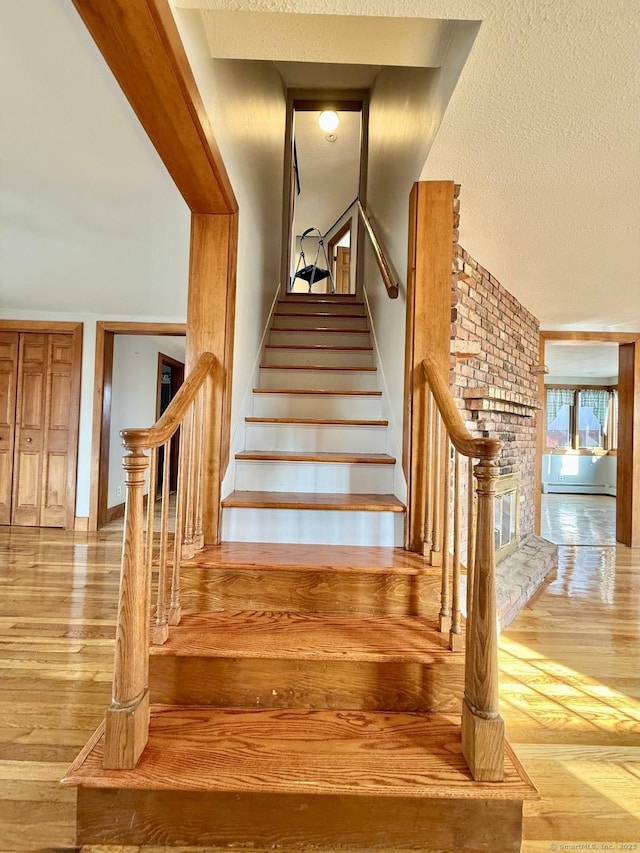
[(328, 120)]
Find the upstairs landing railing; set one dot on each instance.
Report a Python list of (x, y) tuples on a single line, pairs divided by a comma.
[(177, 530), (447, 442)]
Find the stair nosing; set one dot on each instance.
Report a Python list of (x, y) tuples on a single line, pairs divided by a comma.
[(326, 391), (319, 329), (295, 633), (319, 421), (322, 456), (324, 773), (322, 347), (313, 501), (353, 368)]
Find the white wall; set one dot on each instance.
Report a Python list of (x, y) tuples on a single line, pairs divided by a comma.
[(91, 225), (406, 109), (134, 396), (580, 474), (246, 104)]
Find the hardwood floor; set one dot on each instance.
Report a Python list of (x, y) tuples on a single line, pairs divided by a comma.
[(570, 689)]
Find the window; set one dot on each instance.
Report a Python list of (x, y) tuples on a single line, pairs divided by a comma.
[(581, 418)]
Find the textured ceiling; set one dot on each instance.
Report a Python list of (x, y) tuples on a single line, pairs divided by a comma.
[(543, 133), (581, 360)]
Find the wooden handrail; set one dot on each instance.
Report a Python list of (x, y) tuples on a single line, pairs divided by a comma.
[(383, 264), (168, 423), (461, 438)]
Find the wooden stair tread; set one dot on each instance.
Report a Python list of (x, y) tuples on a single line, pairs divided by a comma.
[(307, 636), (334, 299), (300, 751), (333, 367), (318, 329), (354, 316), (330, 347), (369, 559), (314, 501), (318, 421), (329, 391), (316, 456)]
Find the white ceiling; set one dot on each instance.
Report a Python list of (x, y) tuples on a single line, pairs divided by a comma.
[(579, 359), (543, 133)]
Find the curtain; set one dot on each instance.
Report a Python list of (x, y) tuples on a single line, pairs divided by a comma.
[(598, 400), (556, 399)]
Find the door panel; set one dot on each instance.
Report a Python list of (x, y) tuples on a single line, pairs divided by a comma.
[(57, 437), (343, 269), (29, 434), (9, 342)]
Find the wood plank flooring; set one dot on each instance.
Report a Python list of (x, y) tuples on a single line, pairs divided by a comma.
[(570, 688)]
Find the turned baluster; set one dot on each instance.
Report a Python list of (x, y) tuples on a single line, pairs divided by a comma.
[(471, 539), (175, 607), (189, 508), (161, 627), (127, 718), (455, 636), (437, 496), (445, 597), (198, 532), (427, 540)]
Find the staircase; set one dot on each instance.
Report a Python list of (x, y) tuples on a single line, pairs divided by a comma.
[(307, 699), (315, 468)]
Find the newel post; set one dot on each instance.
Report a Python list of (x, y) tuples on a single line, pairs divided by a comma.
[(127, 718), (482, 725)]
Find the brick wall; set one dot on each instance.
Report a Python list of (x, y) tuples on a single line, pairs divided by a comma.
[(496, 390)]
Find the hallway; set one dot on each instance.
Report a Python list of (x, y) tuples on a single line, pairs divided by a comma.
[(569, 687)]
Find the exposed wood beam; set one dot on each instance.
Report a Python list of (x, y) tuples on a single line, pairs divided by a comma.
[(141, 44)]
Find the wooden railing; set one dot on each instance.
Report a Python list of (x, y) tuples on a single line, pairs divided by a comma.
[(383, 264), (179, 532), (447, 442)]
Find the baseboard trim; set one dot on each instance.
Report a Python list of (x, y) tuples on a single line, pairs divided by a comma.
[(81, 524), (114, 512)]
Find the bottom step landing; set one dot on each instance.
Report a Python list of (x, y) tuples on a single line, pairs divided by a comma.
[(299, 780)]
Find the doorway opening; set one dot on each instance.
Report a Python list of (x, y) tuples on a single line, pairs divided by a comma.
[(129, 350), (170, 378), (587, 396), (325, 173)]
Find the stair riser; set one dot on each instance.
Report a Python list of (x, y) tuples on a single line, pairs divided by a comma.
[(358, 478), (336, 357), (316, 438), (322, 591), (304, 321), (293, 822), (317, 406), (316, 684), (310, 527), (330, 338), (311, 308), (327, 380)]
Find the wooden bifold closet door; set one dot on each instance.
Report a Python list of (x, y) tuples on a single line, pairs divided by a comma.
[(38, 428)]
